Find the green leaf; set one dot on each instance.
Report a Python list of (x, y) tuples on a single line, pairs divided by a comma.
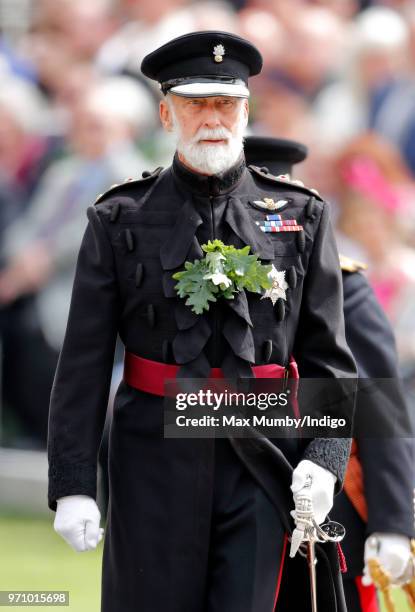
[(199, 300), (214, 261), (239, 262), (213, 245), (243, 269)]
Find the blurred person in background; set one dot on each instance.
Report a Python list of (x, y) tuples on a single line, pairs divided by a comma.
[(345, 9), (281, 111), (41, 247), (375, 505), (63, 40), (9, 208), (397, 5), (410, 16), (26, 150), (374, 88), (312, 51), (262, 25), (375, 196), (68, 92), (302, 56), (11, 62), (74, 29), (305, 51), (84, 26), (146, 24)]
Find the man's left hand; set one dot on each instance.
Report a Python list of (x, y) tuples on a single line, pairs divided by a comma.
[(308, 477)]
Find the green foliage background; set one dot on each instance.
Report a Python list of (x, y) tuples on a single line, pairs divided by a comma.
[(34, 557)]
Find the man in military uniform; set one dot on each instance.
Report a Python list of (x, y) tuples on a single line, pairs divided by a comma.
[(375, 504), (190, 526)]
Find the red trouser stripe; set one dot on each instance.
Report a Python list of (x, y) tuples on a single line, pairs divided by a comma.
[(277, 590), (367, 596)]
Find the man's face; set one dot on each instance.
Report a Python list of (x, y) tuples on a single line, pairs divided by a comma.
[(209, 131)]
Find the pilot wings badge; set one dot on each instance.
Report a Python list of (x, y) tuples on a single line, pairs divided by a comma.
[(269, 204)]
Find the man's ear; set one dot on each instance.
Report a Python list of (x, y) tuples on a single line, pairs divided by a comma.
[(165, 115), (246, 110)]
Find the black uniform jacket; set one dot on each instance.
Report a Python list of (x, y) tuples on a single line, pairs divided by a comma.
[(160, 489), (386, 454)]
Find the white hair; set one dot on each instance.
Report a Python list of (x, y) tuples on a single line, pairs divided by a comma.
[(210, 159), (123, 98), (380, 28), (24, 103)]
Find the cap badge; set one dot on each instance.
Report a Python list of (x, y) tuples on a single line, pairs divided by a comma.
[(218, 52)]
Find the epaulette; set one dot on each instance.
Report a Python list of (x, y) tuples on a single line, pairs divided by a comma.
[(348, 264), (284, 179), (118, 188)]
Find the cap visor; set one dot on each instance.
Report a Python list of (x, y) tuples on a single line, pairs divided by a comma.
[(205, 90)]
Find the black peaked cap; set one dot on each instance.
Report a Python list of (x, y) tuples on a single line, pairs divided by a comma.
[(207, 57), (277, 154)]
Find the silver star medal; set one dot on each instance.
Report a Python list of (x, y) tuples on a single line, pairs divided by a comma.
[(279, 285), (269, 204)]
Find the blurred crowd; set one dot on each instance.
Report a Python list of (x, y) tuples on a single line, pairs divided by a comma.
[(77, 116)]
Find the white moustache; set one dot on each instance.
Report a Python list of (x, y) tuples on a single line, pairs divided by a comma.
[(203, 156), (215, 134)]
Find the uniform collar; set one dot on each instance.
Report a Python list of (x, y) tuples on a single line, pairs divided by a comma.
[(214, 184)]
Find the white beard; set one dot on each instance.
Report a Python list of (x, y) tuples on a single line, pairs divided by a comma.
[(210, 159)]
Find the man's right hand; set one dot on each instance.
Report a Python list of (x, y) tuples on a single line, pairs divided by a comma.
[(77, 521)]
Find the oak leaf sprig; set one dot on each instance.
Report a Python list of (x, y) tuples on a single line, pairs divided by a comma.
[(223, 272)]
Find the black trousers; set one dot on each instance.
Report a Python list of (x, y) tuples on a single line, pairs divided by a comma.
[(247, 540), (190, 529)]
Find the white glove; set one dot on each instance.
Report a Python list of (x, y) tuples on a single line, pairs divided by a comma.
[(77, 521), (320, 489), (393, 552)]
